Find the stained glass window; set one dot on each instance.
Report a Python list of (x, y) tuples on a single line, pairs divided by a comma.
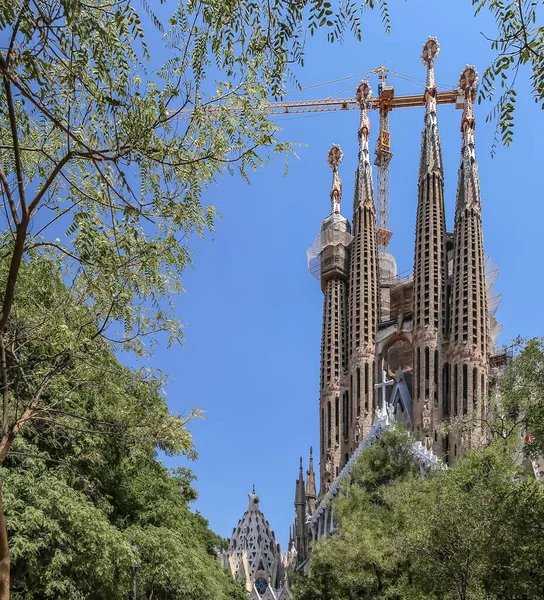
[(261, 585)]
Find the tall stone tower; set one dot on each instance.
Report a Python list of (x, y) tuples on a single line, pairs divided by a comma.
[(333, 242), (429, 313), (363, 296), (469, 331)]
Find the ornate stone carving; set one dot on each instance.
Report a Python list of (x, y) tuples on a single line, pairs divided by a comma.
[(426, 417), (357, 431), (334, 158)]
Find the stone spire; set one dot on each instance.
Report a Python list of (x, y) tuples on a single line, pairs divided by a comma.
[(311, 495), (335, 157), (333, 243), (429, 304), (357, 398), (468, 191), (254, 556), (431, 155), (364, 191), (299, 489), (469, 316), (300, 513)]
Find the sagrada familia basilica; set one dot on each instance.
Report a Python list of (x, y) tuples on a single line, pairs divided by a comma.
[(417, 349)]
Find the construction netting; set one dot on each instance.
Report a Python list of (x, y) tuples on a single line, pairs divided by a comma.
[(333, 232), (493, 301)]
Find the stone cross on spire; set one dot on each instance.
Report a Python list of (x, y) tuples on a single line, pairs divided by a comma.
[(382, 386), (334, 158)]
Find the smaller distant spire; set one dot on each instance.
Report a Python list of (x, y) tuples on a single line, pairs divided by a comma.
[(334, 158), (299, 489), (253, 488), (311, 495)]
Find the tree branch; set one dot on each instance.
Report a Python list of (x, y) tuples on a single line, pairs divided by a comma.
[(58, 167), (15, 137), (5, 385), (7, 189)]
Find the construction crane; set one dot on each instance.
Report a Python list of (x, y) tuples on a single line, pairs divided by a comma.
[(384, 102)]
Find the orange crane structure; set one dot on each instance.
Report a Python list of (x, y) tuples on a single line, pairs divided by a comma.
[(384, 102)]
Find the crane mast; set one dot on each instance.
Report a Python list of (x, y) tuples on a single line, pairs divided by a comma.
[(386, 93)]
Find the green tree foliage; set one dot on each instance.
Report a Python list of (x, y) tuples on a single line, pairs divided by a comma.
[(472, 532), (86, 499), (101, 167), (517, 406), (519, 43)]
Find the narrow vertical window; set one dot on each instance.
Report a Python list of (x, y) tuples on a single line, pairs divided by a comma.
[(475, 389), (337, 417), (465, 389), (329, 424), (353, 395), (436, 379), (427, 369), (358, 386), (344, 416), (482, 394), (322, 431), (366, 387), (455, 391), (418, 374), (350, 403), (446, 383)]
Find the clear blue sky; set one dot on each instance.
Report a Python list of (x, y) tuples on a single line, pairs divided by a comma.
[(253, 311)]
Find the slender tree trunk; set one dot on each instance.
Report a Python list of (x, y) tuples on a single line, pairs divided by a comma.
[(4, 552)]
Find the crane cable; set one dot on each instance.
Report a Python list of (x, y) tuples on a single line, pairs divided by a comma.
[(408, 78)]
